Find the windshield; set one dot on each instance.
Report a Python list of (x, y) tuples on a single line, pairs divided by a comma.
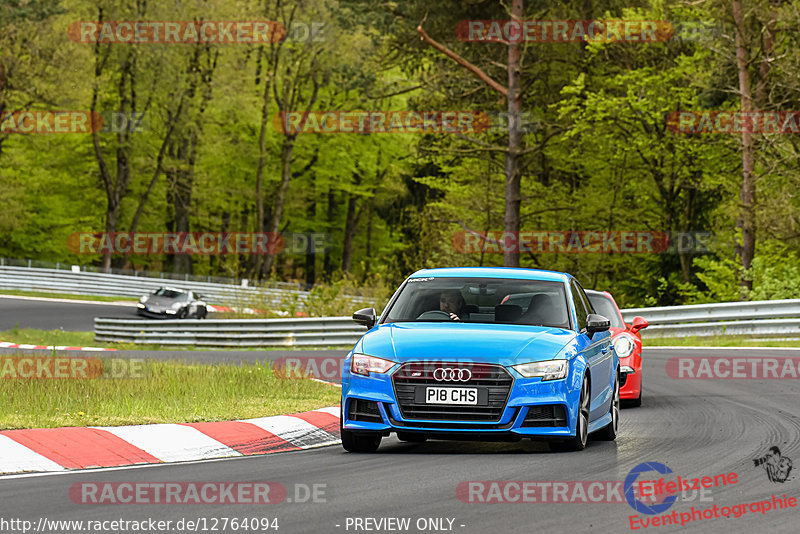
[(481, 300), (169, 293), (605, 307)]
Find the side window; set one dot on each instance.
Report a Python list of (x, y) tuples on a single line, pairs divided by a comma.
[(580, 306), (586, 302)]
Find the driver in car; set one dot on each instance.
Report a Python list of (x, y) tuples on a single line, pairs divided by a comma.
[(453, 303)]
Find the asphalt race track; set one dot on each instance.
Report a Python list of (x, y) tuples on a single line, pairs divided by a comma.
[(696, 427), (51, 315)]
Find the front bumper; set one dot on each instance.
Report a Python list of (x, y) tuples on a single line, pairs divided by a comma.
[(632, 388), (156, 313), (534, 409)]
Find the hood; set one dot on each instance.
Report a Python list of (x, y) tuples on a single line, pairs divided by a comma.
[(490, 343), (160, 301)]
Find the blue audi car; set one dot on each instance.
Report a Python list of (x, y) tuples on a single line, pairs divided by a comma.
[(482, 354)]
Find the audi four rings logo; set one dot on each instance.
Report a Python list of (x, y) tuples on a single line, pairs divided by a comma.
[(448, 374)]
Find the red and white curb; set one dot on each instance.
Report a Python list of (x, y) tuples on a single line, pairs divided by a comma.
[(250, 311), (7, 345), (62, 449)]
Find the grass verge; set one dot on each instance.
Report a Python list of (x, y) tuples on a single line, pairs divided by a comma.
[(719, 341), (159, 392), (35, 336), (68, 296)]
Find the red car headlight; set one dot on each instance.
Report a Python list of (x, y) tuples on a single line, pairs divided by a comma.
[(624, 345)]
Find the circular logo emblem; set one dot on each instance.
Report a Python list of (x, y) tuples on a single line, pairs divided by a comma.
[(630, 484), (448, 374)]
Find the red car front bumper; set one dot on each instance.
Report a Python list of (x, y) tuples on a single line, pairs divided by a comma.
[(632, 389)]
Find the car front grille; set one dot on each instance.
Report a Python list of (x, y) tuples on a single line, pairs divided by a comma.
[(494, 379)]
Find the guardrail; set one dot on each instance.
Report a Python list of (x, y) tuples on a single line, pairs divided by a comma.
[(116, 285), (764, 317), (183, 278), (317, 331), (769, 318)]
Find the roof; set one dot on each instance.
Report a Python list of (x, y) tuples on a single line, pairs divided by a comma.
[(492, 272)]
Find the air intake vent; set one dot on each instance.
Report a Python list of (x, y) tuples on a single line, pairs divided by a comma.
[(364, 411), (546, 415)]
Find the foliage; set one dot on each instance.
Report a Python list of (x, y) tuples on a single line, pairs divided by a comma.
[(599, 154)]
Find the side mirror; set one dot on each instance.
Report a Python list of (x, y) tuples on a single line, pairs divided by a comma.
[(366, 317), (596, 323), (639, 323)]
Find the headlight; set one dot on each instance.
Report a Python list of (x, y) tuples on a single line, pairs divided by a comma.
[(141, 305), (143, 299), (549, 370), (624, 345), (364, 365)]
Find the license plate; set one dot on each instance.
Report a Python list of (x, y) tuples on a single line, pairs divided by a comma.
[(434, 395)]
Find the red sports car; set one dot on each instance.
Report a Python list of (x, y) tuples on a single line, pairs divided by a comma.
[(627, 343)]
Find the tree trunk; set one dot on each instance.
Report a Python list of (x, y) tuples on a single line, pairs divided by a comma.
[(311, 253), (350, 229), (351, 225), (280, 196), (513, 182), (180, 180), (368, 252), (262, 163), (747, 191), (327, 264)]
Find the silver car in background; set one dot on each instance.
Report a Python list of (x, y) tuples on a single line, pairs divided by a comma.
[(171, 302)]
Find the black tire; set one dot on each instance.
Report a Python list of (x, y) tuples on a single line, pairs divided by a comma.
[(637, 401), (353, 442), (182, 314), (609, 432), (578, 442), (202, 313), (410, 437)]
